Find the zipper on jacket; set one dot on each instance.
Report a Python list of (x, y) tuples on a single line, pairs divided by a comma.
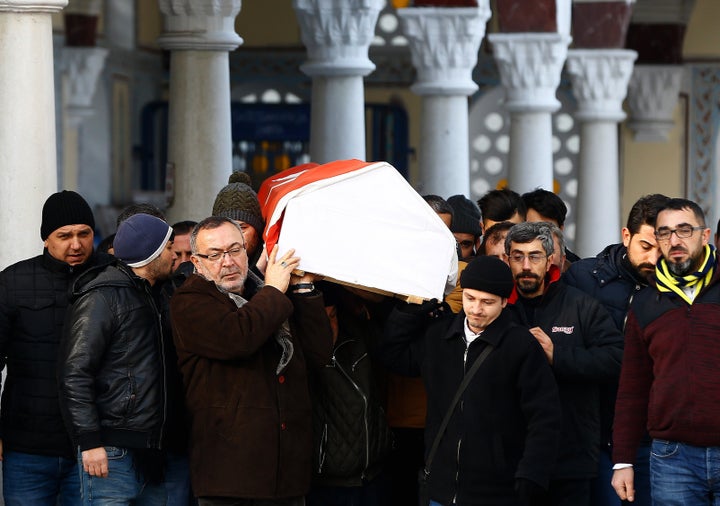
[(153, 304), (364, 398), (321, 450)]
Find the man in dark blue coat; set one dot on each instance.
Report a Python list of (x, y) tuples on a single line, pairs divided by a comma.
[(500, 444), (613, 277)]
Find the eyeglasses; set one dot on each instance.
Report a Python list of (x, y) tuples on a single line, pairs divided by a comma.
[(467, 243), (535, 258), (683, 232), (217, 256)]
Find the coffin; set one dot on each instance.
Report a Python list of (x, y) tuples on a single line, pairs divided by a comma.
[(360, 224)]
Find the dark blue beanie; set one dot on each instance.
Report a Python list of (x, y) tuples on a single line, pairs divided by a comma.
[(140, 239)]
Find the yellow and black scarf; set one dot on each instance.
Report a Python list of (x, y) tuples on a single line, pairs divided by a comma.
[(668, 282)]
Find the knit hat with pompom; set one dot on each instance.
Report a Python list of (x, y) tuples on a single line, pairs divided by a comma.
[(238, 201)]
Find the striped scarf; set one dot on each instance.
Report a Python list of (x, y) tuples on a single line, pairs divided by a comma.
[(668, 282)]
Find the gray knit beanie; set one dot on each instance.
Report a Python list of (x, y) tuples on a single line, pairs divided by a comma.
[(238, 201)]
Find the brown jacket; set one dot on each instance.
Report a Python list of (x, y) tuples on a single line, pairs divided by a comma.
[(251, 433)]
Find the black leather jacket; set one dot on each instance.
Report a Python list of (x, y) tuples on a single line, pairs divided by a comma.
[(112, 372)]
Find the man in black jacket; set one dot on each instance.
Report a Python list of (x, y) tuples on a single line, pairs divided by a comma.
[(39, 465), (613, 277), (582, 345), (501, 442), (112, 374)]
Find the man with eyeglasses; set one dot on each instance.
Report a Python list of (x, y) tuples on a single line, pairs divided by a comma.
[(613, 277), (582, 345), (669, 381), (244, 347)]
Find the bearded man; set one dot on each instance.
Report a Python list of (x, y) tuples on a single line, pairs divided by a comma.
[(582, 344), (669, 380), (613, 277)]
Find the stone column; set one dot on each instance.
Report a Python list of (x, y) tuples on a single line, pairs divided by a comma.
[(444, 44), (27, 123), (530, 66), (600, 80), (199, 34), (652, 98), (82, 66), (337, 35)]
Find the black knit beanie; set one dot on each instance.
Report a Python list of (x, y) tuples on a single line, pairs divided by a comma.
[(238, 201), (488, 274), (65, 208), (466, 216)]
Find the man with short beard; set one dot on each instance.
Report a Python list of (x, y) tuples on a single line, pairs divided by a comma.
[(583, 347), (669, 381), (112, 374), (613, 277), (244, 347)]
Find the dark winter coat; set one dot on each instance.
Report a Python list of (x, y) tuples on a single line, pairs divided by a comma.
[(112, 373), (251, 434), (351, 436), (33, 302), (507, 423), (610, 279), (587, 354)]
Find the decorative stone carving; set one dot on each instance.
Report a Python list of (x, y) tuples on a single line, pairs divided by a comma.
[(200, 25), (32, 5), (337, 35), (530, 66), (83, 66), (652, 97), (600, 80), (444, 45)]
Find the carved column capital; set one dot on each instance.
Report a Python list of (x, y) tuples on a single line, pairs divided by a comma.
[(652, 96), (199, 25), (444, 44), (530, 66), (32, 5), (600, 81), (337, 35), (82, 67)]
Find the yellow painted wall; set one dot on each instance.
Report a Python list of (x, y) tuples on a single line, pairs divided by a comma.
[(268, 24), (653, 167), (702, 39)]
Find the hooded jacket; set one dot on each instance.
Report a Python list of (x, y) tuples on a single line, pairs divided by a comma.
[(33, 302), (111, 370)]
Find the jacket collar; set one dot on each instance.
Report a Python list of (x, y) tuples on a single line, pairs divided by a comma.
[(492, 334), (551, 278)]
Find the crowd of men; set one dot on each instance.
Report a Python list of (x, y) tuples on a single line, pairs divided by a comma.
[(186, 364)]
